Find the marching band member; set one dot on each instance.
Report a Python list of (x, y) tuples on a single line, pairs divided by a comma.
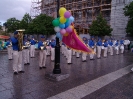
[(77, 54), (73, 52), (32, 47), (105, 48), (92, 45), (48, 47), (117, 47), (53, 44), (42, 52), (69, 55), (111, 46), (122, 45), (84, 54), (99, 47), (17, 55), (63, 48), (9, 49), (26, 52)]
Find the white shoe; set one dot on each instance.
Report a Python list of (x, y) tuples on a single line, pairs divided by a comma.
[(131, 69)]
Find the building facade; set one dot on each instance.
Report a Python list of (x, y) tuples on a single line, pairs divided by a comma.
[(85, 11)]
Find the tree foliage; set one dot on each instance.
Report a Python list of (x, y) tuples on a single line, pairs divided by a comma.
[(100, 27), (12, 24), (42, 24), (24, 23), (128, 11)]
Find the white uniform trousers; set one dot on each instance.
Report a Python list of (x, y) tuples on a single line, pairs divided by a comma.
[(77, 54), (48, 50), (42, 58), (84, 56), (10, 52), (92, 55), (111, 50), (32, 51), (69, 56), (52, 54), (74, 52), (17, 61), (62, 49), (65, 51), (122, 49), (117, 49), (26, 56), (105, 51), (99, 51)]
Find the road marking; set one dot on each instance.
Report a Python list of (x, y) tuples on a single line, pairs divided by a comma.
[(91, 86)]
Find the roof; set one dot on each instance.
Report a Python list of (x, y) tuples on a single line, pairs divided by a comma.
[(4, 37)]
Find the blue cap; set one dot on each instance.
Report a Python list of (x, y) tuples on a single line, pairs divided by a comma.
[(42, 36), (16, 32)]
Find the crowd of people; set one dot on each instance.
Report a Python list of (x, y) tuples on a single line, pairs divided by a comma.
[(47, 47)]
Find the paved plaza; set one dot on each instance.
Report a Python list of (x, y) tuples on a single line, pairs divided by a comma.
[(105, 78)]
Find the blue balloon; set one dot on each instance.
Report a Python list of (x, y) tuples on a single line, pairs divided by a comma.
[(71, 19), (67, 24), (58, 35), (62, 26)]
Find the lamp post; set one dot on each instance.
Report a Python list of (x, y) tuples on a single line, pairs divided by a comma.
[(57, 69)]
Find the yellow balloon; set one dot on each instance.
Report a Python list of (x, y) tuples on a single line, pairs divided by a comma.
[(66, 34), (62, 20), (62, 10)]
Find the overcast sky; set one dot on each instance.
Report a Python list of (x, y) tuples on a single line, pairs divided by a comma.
[(13, 8)]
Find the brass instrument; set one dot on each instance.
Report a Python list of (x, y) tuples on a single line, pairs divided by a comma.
[(44, 45), (20, 39), (27, 45), (10, 45)]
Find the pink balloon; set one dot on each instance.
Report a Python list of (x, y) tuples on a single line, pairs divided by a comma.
[(62, 31), (67, 14), (69, 29)]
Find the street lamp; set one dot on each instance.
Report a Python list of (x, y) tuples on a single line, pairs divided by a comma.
[(57, 69)]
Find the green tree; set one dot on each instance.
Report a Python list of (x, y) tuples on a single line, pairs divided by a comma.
[(128, 11), (12, 24), (42, 24), (99, 27), (24, 23)]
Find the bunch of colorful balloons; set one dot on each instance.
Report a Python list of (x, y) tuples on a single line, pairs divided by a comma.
[(62, 24)]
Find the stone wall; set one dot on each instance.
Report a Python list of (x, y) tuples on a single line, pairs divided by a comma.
[(118, 20)]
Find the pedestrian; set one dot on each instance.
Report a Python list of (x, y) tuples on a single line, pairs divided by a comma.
[(84, 55), (42, 52), (17, 55), (26, 52), (9, 49), (99, 48), (69, 56), (93, 46), (110, 42), (53, 44), (105, 48), (48, 47), (117, 47), (32, 47), (122, 45)]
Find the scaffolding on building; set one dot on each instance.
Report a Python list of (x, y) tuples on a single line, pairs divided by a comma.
[(84, 11), (36, 7)]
